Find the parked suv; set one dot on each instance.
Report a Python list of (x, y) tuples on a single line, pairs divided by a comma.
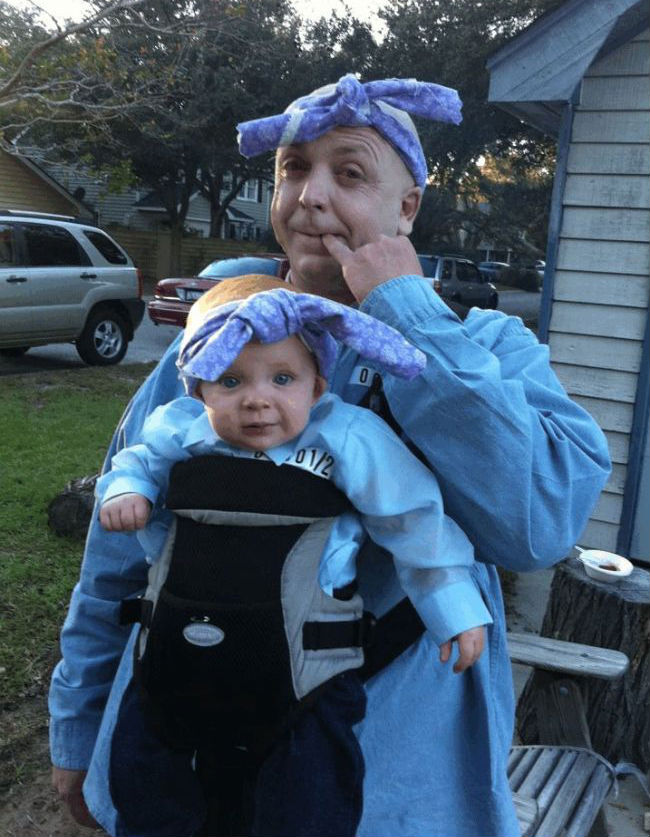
[(459, 279), (65, 280)]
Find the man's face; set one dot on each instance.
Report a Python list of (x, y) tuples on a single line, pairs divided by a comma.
[(264, 398), (350, 183)]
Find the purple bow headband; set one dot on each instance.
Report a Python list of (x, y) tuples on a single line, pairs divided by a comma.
[(271, 316), (383, 105)]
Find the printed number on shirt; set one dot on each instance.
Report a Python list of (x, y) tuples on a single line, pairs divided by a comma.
[(362, 376), (316, 461)]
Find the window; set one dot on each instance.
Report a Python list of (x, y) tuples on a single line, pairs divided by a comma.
[(109, 250), (249, 190), (466, 272), (428, 265), (52, 247), (447, 272), (8, 255)]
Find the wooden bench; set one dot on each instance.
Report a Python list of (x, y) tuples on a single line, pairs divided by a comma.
[(560, 785)]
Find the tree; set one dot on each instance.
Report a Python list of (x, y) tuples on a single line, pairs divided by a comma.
[(56, 75), (448, 42)]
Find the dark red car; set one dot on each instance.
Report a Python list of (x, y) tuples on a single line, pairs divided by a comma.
[(174, 297)]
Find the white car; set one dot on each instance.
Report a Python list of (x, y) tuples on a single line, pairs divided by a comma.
[(65, 280)]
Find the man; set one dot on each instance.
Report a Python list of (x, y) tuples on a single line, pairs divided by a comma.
[(520, 467)]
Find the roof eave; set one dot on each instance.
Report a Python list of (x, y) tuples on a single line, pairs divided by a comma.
[(533, 74)]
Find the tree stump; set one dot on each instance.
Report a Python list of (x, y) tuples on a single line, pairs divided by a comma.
[(70, 511), (581, 609)]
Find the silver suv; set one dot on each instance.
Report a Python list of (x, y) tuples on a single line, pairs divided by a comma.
[(64, 280), (459, 279)]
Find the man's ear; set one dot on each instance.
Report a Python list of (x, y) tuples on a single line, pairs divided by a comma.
[(410, 206), (197, 391), (320, 387)]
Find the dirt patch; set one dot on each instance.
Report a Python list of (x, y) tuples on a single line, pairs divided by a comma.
[(28, 804), (32, 810)]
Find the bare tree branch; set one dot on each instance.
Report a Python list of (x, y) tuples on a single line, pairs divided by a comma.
[(38, 49)]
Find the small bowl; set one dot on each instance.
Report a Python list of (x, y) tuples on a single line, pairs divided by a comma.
[(605, 566)]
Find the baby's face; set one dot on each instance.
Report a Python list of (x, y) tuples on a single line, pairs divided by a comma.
[(264, 398)]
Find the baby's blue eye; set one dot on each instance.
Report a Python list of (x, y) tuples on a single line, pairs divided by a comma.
[(282, 378), (228, 381)]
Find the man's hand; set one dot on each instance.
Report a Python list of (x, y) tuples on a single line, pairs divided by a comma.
[(470, 648), (374, 263), (125, 513), (67, 783)]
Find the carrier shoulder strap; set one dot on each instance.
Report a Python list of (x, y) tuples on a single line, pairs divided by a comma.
[(401, 626)]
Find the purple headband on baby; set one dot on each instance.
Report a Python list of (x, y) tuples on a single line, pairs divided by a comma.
[(269, 316), (383, 105)]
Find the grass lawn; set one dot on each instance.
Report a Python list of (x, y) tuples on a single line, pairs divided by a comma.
[(55, 426)]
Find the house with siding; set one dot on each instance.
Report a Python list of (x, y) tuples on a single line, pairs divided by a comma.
[(25, 185), (581, 74), (247, 217)]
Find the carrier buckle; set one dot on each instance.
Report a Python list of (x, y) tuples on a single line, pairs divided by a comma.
[(136, 610)]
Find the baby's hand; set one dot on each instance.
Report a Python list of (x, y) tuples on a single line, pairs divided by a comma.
[(125, 513), (470, 647)]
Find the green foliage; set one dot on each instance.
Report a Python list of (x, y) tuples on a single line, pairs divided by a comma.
[(159, 95), (56, 426), (448, 42)]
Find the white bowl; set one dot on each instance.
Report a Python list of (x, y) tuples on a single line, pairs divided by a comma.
[(605, 566)]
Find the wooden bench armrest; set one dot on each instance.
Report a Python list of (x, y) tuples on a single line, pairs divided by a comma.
[(568, 657)]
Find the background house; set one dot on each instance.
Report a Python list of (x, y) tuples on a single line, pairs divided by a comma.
[(581, 73), (135, 217), (247, 217), (25, 185)]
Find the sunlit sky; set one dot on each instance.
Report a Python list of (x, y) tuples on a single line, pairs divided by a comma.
[(76, 9)]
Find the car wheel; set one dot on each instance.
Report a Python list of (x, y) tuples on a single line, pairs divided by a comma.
[(14, 351), (103, 340), (493, 301)]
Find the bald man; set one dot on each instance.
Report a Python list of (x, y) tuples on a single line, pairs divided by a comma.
[(519, 464)]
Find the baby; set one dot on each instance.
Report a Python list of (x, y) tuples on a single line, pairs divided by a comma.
[(255, 360), (254, 641)]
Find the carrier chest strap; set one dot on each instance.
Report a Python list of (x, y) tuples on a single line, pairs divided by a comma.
[(383, 639), (316, 636)]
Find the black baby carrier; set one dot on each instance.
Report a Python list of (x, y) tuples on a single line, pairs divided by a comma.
[(237, 635)]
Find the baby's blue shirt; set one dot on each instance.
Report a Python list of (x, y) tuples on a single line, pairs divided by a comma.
[(355, 449)]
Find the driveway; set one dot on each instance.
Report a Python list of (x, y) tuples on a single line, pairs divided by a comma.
[(149, 344), (522, 303)]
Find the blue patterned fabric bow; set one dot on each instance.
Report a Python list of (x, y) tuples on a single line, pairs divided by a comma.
[(270, 316), (383, 105)]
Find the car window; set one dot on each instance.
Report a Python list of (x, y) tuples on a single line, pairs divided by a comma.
[(52, 247), (109, 250), (467, 272), (8, 254), (428, 265), (447, 272)]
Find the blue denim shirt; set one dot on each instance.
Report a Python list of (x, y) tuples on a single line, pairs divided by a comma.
[(520, 467)]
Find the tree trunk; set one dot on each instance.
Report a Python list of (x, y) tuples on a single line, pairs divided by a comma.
[(175, 244), (613, 616)]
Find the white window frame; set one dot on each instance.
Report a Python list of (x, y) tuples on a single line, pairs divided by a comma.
[(248, 191)]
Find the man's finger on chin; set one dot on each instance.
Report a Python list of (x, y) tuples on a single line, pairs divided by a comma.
[(337, 247)]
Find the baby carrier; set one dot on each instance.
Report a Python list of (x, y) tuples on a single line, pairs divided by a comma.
[(237, 635)]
